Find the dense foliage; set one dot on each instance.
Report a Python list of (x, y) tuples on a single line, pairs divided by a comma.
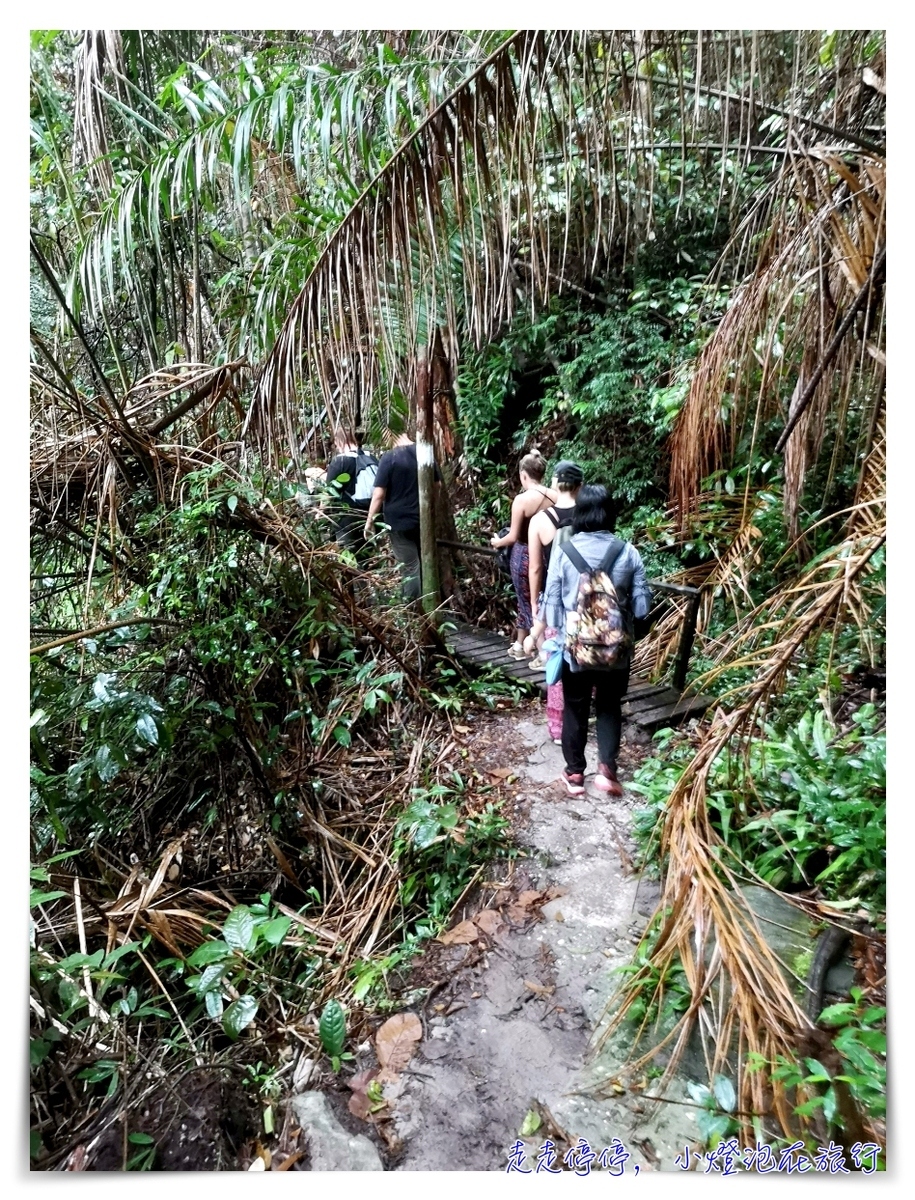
[(245, 800)]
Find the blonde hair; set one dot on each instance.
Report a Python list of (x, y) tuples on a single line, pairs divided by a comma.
[(533, 464)]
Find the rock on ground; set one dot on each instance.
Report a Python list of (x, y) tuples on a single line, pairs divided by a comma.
[(330, 1146)]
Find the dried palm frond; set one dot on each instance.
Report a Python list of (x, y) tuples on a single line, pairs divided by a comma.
[(100, 53), (544, 155), (704, 918), (784, 347)]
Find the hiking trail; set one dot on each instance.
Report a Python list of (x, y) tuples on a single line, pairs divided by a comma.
[(516, 998)]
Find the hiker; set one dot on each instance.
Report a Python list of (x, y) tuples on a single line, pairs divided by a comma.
[(549, 528), (530, 500), (575, 602), (353, 472), (396, 494)]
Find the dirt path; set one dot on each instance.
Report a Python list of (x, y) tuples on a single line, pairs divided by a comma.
[(510, 1029)]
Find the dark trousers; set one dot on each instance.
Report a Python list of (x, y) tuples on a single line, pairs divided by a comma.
[(405, 544), (609, 688)]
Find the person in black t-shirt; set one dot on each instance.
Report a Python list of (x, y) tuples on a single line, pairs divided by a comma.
[(347, 522), (396, 493)]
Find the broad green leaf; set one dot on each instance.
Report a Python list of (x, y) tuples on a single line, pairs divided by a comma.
[(725, 1094), (106, 764), (274, 931), (209, 952), (238, 929), (426, 833), (211, 977), (148, 730), (43, 897), (239, 1015), (214, 1003), (332, 1028), (819, 735)]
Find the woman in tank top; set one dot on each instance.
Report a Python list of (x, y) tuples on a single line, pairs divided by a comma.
[(532, 498)]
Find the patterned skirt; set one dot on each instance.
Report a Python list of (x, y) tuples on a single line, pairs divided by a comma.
[(554, 700), (520, 561)]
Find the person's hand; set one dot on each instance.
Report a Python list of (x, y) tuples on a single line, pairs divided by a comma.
[(369, 529), (495, 542)]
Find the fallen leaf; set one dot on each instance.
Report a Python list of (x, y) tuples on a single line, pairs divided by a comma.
[(526, 899), (396, 1040), (538, 988), (488, 920), (360, 1082), (461, 935), (293, 1158), (462, 729), (531, 1123), (560, 917), (647, 1148), (501, 772), (360, 1106)]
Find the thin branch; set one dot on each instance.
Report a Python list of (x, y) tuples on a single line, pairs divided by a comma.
[(87, 633)]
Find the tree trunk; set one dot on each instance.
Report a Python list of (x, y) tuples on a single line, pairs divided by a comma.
[(447, 449), (426, 481)]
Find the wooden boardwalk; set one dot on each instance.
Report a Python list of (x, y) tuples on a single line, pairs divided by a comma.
[(648, 705)]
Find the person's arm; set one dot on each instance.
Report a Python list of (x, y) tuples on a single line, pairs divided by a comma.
[(378, 494), (535, 546), (551, 612), (641, 592), (518, 515)]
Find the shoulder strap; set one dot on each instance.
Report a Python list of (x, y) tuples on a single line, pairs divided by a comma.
[(575, 558), (553, 515), (615, 549)]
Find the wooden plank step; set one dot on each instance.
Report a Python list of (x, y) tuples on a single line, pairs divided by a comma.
[(644, 703), (639, 688), (483, 654), (672, 714), (465, 641)]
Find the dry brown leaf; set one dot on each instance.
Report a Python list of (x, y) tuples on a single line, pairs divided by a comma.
[(288, 1162), (488, 920), (360, 1106), (396, 1040), (501, 772), (359, 1103), (462, 729), (526, 899), (539, 989), (460, 935)]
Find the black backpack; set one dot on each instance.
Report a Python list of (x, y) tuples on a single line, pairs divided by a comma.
[(504, 553)]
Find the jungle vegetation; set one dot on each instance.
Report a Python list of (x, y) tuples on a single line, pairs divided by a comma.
[(661, 252)]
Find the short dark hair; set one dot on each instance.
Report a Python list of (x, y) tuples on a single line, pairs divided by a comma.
[(595, 511)]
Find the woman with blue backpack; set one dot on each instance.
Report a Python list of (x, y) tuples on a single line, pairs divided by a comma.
[(595, 595)]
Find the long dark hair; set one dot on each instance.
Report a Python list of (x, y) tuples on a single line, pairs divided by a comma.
[(595, 511)]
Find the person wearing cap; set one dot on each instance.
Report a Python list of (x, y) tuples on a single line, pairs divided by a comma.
[(551, 526)]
